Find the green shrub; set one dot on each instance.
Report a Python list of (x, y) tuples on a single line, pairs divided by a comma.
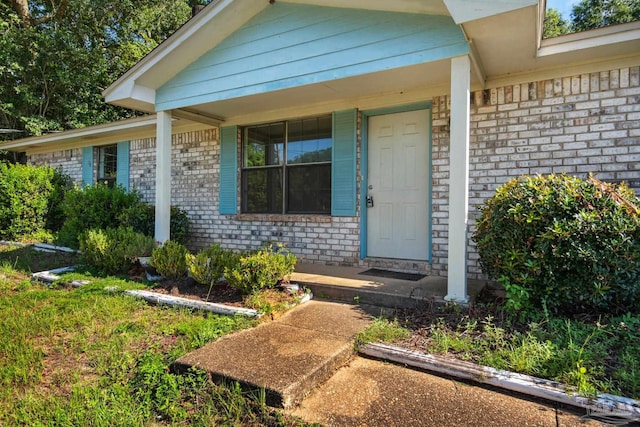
[(261, 269), (24, 199), (61, 183), (97, 206), (563, 244), (208, 265), (114, 250), (170, 260), (142, 218)]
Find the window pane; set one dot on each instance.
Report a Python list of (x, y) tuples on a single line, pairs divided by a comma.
[(264, 145), (108, 162), (309, 189), (262, 190), (309, 140)]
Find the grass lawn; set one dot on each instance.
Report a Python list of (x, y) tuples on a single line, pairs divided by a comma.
[(88, 356)]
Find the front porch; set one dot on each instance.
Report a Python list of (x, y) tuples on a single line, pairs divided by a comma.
[(349, 284)]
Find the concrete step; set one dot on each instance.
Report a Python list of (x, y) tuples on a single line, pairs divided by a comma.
[(352, 285), (287, 357)]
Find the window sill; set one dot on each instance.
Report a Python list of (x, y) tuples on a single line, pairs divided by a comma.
[(284, 218)]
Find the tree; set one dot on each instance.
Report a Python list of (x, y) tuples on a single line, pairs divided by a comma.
[(57, 56), (555, 25), (591, 14)]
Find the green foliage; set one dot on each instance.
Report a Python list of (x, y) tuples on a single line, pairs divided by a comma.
[(114, 250), (261, 269), (381, 330), (62, 183), (208, 265), (142, 217), (25, 194), (555, 25), (170, 260), (562, 244), (56, 59), (93, 207), (592, 14)]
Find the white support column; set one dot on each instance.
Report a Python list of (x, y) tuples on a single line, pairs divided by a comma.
[(163, 176), (458, 179)]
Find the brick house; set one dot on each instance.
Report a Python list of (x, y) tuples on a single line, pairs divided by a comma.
[(361, 132)]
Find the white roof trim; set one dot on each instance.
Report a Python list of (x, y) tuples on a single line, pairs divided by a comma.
[(589, 39)]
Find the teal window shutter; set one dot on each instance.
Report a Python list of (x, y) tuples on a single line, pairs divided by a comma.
[(343, 168), (228, 196), (87, 165), (122, 170)]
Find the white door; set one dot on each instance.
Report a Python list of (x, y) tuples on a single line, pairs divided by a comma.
[(397, 222)]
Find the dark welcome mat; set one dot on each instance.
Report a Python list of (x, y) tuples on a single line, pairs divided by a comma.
[(393, 274)]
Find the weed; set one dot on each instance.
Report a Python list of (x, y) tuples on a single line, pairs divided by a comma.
[(381, 330)]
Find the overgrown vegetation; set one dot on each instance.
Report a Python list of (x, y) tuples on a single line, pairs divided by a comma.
[(114, 250), (563, 245), (92, 357), (101, 207), (588, 355), (30, 198)]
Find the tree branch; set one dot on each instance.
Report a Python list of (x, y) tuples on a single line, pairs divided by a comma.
[(21, 7)]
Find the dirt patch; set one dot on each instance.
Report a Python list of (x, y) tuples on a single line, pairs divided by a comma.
[(221, 293)]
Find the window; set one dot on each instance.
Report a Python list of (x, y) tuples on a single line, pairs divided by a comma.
[(286, 167), (108, 164)]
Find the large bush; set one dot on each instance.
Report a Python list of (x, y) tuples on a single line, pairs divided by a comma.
[(25, 199), (93, 207), (114, 250), (142, 218), (563, 244), (100, 206)]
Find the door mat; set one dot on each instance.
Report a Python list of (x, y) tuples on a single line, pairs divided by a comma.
[(393, 274)]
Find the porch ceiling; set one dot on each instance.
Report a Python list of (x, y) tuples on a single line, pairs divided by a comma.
[(348, 90)]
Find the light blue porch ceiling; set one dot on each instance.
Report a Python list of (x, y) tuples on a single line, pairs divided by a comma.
[(291, 45)]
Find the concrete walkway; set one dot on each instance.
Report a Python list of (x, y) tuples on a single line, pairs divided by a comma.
[(373, 393), (289, 356), (306, 358)]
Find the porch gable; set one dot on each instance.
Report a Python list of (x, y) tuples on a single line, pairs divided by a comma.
[(291, 45)]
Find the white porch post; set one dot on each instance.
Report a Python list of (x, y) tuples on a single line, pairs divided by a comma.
[(458, 179), (163, 176)]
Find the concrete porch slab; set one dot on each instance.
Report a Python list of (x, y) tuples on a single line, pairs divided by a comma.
[(287, 357), (347, 284)]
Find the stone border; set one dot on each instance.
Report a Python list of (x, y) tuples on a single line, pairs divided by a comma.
[(604, 404), (50, 276), (156, 298)]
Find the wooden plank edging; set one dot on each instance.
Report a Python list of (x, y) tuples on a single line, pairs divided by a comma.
[(526, 384)]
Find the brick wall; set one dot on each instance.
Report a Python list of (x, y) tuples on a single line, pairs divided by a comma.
[(69, 160), (580, 124)]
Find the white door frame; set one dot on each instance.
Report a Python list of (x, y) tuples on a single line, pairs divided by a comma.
[(364, 167)]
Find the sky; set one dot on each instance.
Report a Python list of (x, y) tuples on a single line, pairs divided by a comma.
[(564, 6)]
